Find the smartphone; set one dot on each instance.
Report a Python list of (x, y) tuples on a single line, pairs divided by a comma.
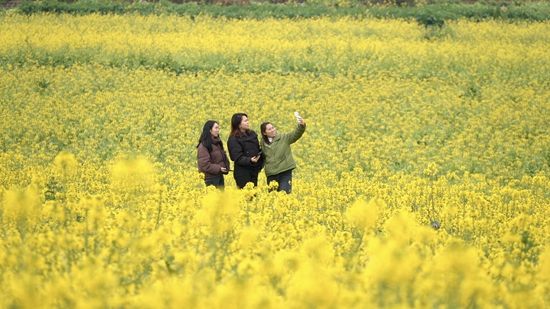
[(297, 116)]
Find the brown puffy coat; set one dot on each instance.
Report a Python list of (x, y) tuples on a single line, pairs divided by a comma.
[(210, 163)]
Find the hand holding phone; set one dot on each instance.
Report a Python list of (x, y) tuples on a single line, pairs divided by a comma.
[(299, 119)]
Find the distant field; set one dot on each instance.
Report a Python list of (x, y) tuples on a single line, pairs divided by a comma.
[(408, 128)]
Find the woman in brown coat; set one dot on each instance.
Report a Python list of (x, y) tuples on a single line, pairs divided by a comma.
[(211, 157)]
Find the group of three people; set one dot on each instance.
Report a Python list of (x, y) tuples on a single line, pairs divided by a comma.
[(249, 154)]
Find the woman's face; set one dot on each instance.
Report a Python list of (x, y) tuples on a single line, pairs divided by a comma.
[(215, 131), (244, 124), (270, 131)]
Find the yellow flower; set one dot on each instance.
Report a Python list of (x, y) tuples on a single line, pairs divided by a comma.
[(65, 160), (364, 215)]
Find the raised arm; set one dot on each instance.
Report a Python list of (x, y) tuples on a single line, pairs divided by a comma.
[(295, 135)]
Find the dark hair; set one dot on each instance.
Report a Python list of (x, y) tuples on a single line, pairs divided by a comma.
[(263, 127), (235, 122), (206, 136)]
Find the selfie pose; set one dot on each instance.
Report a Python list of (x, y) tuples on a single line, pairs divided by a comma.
[(244, 150), (279, 162), (211, 157)]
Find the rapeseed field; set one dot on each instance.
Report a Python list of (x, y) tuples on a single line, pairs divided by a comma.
[(423, 178)]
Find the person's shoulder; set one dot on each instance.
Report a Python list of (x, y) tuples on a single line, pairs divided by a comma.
[(232, 140), (201, 148)]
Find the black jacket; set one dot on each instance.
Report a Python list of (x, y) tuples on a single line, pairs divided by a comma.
[(242, 149)]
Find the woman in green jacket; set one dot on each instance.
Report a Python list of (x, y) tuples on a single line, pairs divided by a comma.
[(278, 159)]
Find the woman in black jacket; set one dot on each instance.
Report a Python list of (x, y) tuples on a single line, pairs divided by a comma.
[(244, 150)]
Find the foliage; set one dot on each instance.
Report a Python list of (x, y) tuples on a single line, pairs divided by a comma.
[(313, 46), (423, 177), (429, 14)]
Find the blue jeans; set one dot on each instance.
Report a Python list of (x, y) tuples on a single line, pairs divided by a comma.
[(218, 182), (284, 180)]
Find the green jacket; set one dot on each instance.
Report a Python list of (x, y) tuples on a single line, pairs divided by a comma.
[(277, 155)]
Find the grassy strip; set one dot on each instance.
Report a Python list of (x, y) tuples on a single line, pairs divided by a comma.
[(368, 47), (433, 14)]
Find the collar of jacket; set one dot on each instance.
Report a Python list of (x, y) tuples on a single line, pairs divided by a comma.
[(276, 138)]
